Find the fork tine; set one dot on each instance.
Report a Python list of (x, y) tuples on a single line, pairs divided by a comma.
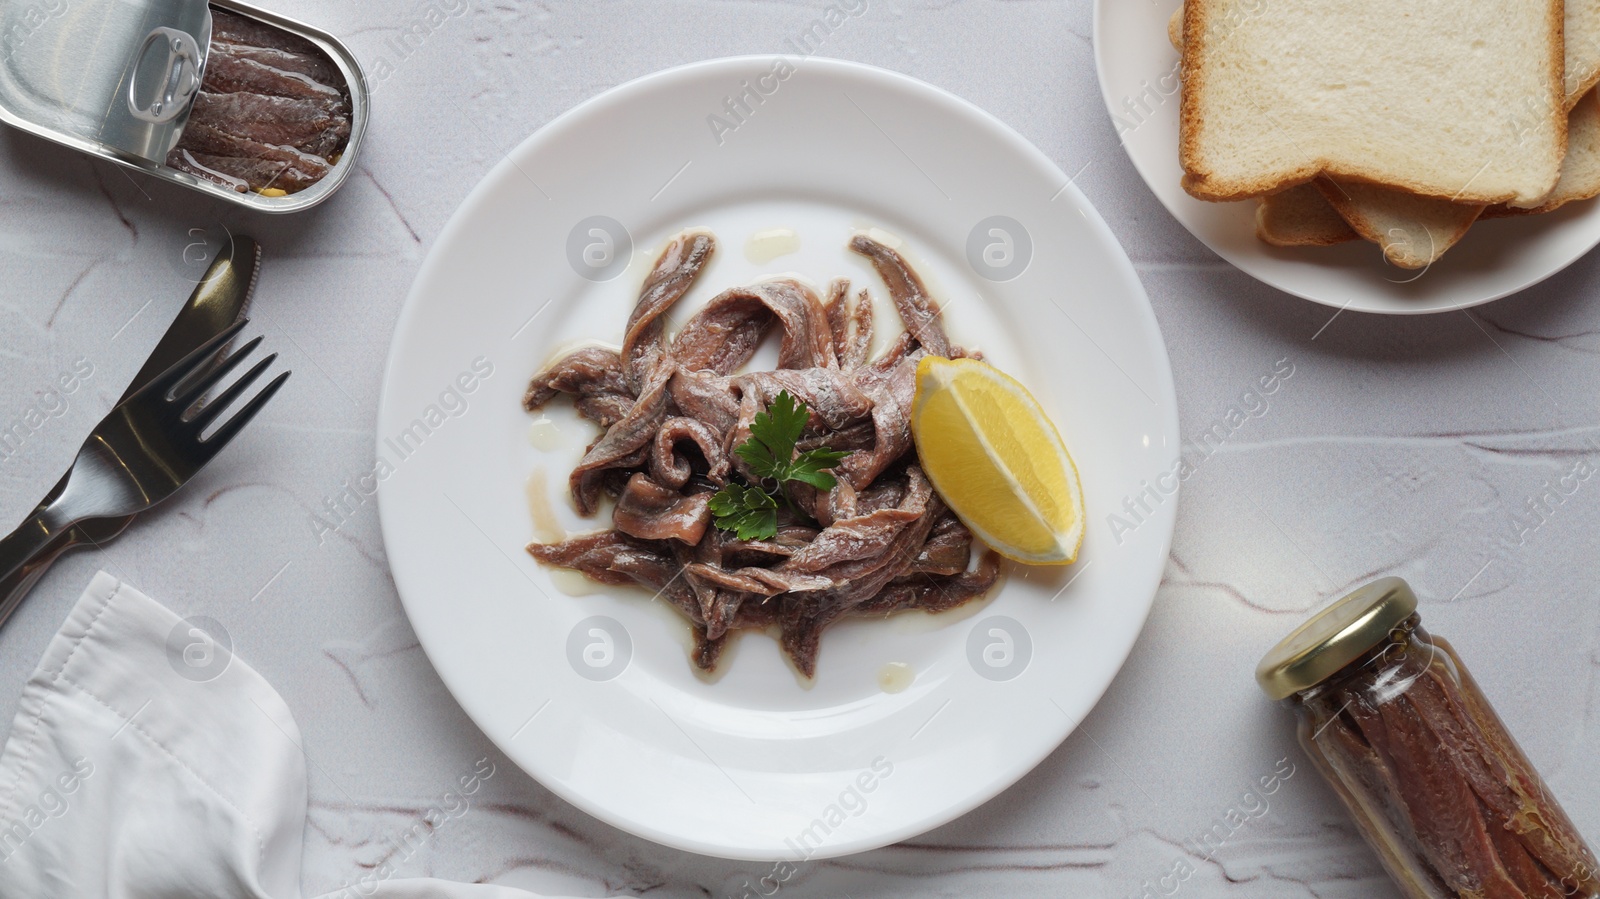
[(164, 383), (221, 401), (206, 381), (231, 428)]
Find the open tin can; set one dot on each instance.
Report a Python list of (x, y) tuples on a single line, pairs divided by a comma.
[(223, 98)]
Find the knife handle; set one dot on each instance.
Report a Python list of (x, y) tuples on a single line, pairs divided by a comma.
[(19, 551), (16, 584)]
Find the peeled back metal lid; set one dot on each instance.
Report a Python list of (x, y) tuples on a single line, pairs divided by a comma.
[(117, 75), (1335, 637)]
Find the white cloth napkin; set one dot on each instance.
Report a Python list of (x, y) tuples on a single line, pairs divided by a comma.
[(146, 762)]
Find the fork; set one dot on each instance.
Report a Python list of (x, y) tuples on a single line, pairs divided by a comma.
[(144, 450)]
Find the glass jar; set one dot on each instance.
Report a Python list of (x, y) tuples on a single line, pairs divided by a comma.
[(1393, 720)]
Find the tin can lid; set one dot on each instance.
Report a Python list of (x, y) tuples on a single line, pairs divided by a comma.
[(1335, 637), (109, 75)]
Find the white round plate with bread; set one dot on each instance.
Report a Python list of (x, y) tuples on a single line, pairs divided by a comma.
[(1352, 238)]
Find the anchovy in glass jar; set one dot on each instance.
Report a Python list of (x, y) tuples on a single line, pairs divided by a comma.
[(1395, 722)]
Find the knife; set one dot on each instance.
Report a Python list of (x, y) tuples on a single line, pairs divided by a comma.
[(218, 301)]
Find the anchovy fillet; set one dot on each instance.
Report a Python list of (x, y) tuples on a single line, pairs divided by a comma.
[(672, 412)]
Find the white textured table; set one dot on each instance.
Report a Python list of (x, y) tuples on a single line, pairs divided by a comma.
[(1398, 446)]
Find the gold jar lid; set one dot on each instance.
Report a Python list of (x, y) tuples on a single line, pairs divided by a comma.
[(1335, 637)]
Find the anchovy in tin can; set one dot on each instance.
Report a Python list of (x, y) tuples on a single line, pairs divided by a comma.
[(223, 98)]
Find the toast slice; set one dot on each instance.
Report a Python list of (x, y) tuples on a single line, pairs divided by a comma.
[(1300, 217), (1276, 94), (1412, 231), (1580, 175), (1583, 48), (1581, 34)]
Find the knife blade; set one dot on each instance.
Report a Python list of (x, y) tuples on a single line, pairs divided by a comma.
[(221, 298), (218, 301)]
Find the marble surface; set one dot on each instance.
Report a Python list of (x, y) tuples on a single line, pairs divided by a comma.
[(1399, 446)]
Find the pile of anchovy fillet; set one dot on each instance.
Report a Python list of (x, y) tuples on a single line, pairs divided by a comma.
[(674, 410), (273, 111)]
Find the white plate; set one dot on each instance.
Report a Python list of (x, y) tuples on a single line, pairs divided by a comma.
[(746, 766), (1138, 78)]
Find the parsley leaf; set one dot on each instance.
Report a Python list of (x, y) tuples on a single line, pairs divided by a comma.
[(752, 512), (809, 465), (773, 433), (747, 511)]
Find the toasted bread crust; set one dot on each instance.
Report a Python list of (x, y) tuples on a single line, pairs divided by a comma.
[(1583, 86), (1580, 176), (1191, 76), (1293, 219), (1560, 68), (1204, 184), (1399, 248)]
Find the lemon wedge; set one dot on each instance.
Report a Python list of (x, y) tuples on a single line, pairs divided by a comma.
[(998, 461)]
